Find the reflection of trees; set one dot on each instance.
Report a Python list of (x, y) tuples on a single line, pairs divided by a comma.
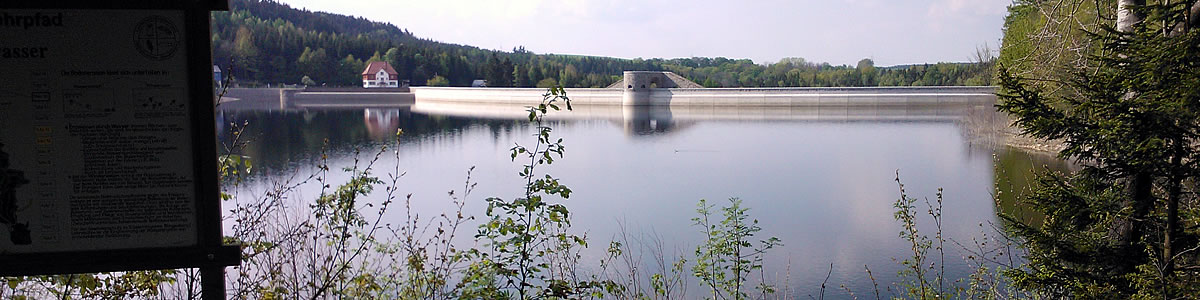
[(1015, 172), (277, 137)]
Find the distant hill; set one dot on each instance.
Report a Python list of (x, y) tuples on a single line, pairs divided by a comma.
[(266, 42)]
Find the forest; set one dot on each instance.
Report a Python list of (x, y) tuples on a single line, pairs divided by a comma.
[(265, 42)]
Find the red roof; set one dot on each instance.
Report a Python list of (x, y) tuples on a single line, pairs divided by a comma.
[(375, 66)]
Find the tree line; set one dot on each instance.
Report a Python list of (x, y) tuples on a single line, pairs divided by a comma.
[(266, 42)]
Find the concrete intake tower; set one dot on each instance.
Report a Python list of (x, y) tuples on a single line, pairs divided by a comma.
[(637, 85)]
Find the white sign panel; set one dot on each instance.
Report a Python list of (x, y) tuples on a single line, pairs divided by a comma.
[(96, 140)]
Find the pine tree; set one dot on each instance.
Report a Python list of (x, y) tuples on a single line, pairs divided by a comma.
[(1116, 229)]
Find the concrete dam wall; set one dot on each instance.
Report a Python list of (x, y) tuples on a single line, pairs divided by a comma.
[(675, 97), (859, 96), (276, 98)]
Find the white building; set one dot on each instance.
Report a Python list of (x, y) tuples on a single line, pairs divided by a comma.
[(380, 74)]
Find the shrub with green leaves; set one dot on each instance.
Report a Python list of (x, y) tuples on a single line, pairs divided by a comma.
[(727, 257)]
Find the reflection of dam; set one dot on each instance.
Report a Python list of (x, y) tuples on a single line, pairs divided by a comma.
[(935, 113), (642, 120), (668, 109), (649, 120), (658, 110)]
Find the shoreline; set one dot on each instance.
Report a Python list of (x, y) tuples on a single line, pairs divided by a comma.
[(988, 126)]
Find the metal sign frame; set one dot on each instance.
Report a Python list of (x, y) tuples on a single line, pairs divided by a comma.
[(210, 254)]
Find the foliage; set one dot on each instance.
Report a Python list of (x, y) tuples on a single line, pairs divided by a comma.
[(926, 279), (438, 80), (422, 262), (274, 43), (114, 285), (498, 72), (727, 257), (625, 268), (789, 72), (527, 237), (547, 83), (310, 251), (923, 275), (1046, 40), (313, 251), (1126, 225)]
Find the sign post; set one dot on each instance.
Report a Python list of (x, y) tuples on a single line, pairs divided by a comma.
[(107, 139)]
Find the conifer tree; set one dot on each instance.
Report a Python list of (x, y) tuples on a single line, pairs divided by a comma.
[(1116, 228)]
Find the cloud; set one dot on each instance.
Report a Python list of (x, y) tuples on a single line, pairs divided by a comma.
[(952, 15), (839, 32), (967, 8)]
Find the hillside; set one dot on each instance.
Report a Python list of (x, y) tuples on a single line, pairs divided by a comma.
[(267, 42)]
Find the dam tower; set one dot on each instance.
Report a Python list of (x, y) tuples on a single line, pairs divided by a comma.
[(639, 85)]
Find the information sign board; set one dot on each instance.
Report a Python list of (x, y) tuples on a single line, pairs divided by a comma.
[(107, 143), (97, 137)]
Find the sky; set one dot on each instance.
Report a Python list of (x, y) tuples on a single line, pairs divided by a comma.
[(890, 32)]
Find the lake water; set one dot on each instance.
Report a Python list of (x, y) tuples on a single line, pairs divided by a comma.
[(821, 180)]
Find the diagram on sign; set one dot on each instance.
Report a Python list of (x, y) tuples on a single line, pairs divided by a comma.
[(88, 103), (158, 100), (157, 38), (10, 180)]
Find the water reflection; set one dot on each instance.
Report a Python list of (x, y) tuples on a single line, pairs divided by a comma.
[(658, 120), (382, 123), (1016, 172), (647, 120), (279, 138), (835, 113), (820, 178)]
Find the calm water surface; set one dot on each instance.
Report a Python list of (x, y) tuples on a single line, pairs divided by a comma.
[(822, 181)]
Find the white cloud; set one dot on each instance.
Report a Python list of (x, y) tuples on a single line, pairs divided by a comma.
[(967, 8), (839, 32)]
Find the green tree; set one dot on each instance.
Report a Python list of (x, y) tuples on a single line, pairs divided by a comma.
[(498, 72), (519, 78), (246, 52), (867, 71), (375, 58), (547, 83), (394, 58), (313, 61), (438, 80), (349, 71), (1116, 229)]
